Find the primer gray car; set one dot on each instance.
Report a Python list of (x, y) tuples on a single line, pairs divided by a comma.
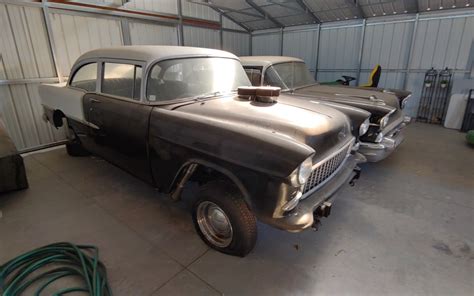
[(292, 75), (170, 115)]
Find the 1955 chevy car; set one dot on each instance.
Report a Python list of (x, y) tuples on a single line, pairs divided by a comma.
[(170, 115), (291, 74)]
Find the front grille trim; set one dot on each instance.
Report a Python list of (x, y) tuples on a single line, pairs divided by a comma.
[(325, 170)]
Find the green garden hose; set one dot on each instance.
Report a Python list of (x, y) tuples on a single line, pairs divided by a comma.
[(45, 265), (470, 137)]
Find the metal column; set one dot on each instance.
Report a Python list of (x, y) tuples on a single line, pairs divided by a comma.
[(364, 25), (412, 47)]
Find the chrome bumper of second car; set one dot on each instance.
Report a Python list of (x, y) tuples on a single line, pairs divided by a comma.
[(375, 152)]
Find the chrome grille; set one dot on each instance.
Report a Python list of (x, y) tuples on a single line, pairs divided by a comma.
[(326, 169)]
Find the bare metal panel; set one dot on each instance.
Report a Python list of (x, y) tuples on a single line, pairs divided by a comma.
[(201, 37), (199, 11), (266, 44), (166, 6), (237, 43), (75, 34), (389, 46), (24, 53), (443, 43), (303, 45), (151, 34), (21, 111), (339, 48)]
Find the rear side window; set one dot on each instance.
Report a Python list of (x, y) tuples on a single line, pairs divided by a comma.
[(123, 80), (85, 77)]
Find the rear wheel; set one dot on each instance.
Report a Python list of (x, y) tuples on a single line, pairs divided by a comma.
[(223, 219)]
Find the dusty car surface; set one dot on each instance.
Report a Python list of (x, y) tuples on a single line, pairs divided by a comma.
[(387, 118), (170, 115)]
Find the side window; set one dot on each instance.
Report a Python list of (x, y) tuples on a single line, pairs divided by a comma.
[(85, 77), (255, 76), (122, 80), (272, 78)]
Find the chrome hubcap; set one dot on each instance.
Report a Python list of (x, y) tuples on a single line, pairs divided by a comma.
[(214, 224)]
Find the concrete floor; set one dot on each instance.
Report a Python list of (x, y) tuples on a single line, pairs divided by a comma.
[(407, 227)]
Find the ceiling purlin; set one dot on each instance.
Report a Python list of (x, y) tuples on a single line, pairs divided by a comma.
[(224, 10), (265, 14), (355, 4), (308, 10)]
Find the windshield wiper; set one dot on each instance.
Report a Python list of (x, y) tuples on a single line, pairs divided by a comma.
[(207, 95)]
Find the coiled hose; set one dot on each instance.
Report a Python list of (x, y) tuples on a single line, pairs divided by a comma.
[(63, 260)]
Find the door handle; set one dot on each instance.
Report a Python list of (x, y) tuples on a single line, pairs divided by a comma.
[(95, 101)]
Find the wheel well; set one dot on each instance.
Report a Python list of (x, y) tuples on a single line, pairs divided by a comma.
[(205, 173), (58, 116)]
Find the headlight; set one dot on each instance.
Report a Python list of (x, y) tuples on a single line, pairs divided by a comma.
[(379, 138), (384, 121), (305, 171), (364, 127)]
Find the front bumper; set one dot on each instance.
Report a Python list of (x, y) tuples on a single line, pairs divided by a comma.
[(302, 216), (375, 152)]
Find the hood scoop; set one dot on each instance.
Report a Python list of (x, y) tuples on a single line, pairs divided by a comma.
[(261, 94)]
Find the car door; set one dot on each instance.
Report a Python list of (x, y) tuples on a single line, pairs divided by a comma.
[(120, 117)]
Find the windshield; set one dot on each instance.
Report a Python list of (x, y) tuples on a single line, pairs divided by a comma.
[(193, 77), (288, 75)]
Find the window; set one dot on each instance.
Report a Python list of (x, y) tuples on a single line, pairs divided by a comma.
[(184, 78), (255, 75), (85, 77), (122, 80), (291, 74)]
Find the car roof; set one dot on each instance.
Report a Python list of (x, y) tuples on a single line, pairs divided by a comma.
[(152, 53), (265, 61)]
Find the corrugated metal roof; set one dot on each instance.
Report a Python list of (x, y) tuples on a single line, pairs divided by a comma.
[(266, 14)]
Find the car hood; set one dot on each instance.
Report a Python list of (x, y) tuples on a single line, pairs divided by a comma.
[(375, 107), (355, 92), (319, 127)]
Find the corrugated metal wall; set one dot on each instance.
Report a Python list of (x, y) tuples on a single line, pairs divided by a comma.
[(151, 34), (339, 49), (268, 44), (74, 35), (237, 43), (307, 42), (25, 52), (442, 40), (201, 37)]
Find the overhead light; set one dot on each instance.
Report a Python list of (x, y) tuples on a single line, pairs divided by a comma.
[(406, 11), (454, 6), (384, 13), (374, 14), (355, 16), (394, 12), (428, 9), (441, 7), (468, 4)]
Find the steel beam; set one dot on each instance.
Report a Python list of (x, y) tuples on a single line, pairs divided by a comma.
[(264, 13), (412, 48), (180, 24), (317, 53), (49, 35), (361, 50)]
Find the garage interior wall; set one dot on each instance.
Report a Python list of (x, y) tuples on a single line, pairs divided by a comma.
[(443, 39), (30, 56)]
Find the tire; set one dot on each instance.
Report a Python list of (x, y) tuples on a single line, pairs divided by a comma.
[(222, 196), (74, 148)]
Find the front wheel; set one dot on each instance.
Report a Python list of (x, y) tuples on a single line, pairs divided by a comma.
[(223, 219)]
